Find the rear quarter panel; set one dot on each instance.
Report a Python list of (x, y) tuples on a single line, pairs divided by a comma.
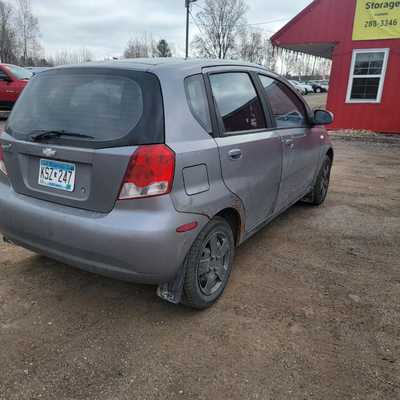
[(193, 146)]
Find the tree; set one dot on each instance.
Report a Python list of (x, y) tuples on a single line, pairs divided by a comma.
[(27, 30), (270, 57), (256, 47), (139, 47), (8, 42), (219, 22), (162, 49), (64, 57), (44, 62), (252, 47)]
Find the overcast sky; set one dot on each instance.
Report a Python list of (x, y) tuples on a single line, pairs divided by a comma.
[(105, 26)]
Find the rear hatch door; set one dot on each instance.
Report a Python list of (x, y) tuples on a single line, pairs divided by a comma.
[(72, 133)]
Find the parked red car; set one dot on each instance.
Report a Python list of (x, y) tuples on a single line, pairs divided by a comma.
[(13, 80)]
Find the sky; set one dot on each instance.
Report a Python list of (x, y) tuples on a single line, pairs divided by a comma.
[(105, 26)]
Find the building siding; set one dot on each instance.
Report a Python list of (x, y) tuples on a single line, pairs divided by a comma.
[(331, 21)]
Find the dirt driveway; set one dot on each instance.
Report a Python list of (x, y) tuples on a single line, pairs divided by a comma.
[(312, 311)]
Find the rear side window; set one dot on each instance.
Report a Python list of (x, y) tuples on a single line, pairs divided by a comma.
[(237, 102), (197, 99), (116, 107), (287, 109)]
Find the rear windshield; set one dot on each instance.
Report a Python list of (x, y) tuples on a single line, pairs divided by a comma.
[(116, 108)]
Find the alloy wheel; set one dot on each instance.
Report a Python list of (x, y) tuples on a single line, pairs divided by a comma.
[(214, 263), (326, 173)]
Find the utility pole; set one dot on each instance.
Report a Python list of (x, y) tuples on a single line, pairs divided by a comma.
[(187, 5)]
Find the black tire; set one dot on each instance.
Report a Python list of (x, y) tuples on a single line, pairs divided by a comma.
[(318, 90), (321, 187), (207, 267)]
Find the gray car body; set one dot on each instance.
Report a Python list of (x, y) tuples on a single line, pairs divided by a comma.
[(136, 240)]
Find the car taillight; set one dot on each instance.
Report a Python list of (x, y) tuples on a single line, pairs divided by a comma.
[(150, 172), (2, 165)]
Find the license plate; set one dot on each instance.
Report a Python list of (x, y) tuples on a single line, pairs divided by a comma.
[(57, 175)]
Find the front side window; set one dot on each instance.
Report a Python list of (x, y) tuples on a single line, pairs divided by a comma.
[(287, 110), (237, 102), (367, 76)]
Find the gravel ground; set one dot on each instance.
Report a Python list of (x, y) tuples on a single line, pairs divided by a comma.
[(312, 311)]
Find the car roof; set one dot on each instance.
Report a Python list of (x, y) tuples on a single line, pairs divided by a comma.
[(178, 66)]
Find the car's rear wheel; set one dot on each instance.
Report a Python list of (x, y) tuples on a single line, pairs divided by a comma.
[(209, 264), (318, 90), (321, 187)]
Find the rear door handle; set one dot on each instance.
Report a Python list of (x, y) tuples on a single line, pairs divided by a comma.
[(235, 154)]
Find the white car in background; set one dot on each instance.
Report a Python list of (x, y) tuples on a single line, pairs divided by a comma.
[(302, 87)]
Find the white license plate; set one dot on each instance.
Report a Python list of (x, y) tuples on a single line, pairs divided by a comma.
[(57, 175)]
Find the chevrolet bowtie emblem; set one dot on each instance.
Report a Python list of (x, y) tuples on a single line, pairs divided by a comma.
[(48, 152)]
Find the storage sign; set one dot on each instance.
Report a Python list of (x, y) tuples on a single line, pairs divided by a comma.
[(377, 19)]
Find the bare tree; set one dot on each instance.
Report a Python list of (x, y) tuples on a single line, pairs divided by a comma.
[(252, 47), (8, 45), (219, 22), (64, 57), (162, 49), (27, 30), (270, 56), (298, 65), (140, 47), (136, 48)]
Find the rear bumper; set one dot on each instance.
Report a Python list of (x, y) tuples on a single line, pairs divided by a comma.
[(136, 242)]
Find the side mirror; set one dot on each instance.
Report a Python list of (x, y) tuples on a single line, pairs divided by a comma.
[(322, 117)]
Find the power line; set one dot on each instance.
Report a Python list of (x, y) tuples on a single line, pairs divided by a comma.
[(271, 21)]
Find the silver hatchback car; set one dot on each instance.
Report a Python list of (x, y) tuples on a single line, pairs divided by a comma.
[(154, 171)]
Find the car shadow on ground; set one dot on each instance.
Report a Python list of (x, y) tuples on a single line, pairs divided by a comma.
[(66, 283)]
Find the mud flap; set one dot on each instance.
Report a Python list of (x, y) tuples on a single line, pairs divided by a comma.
[(309, 198), (7, 240), (173, 291)]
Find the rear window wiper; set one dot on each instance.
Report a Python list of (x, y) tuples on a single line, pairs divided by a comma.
[(39, 135)]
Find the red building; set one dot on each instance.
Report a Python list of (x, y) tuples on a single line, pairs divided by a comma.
[(362, 38)]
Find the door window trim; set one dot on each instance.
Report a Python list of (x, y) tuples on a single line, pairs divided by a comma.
[(381, 76)]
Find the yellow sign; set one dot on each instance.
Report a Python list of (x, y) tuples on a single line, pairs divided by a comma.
[(377, 19)]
